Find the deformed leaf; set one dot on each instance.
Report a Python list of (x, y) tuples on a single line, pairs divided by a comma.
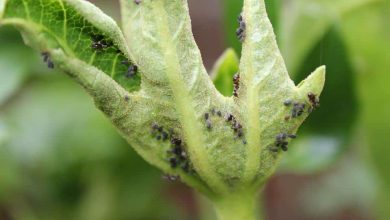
[(175, 118)]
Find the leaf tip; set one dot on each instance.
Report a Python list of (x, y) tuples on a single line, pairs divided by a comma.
[(314, 82)]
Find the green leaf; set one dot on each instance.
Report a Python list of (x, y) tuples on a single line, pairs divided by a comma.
[(224, 70), (71, 27), (305, 22), (370, 53)]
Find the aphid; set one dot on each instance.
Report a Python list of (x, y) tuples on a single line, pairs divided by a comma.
[(127, 98), (171, 178), (219, 113), (208, 124), (274, 149), (173, 162), (284, 147), (288, 102), (240, 133), (206, 116), (236, 82), (175, 141), (137, 2), (281, 137), (158, 137), (186, 167), (313, 100), (164, 136), (131, 71), (240, 32), (155, 126), (98, 43), (47, 60), (177, 150), (298, 109), (287, 118), (293, 136), (213, 111), (229, 117), (244, 142)]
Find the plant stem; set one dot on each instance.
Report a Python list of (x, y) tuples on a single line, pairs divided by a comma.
[(237, 206)]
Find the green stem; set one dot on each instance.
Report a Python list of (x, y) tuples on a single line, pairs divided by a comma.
[(237, 206)]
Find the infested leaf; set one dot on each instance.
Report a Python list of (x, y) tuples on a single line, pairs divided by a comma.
[(173, 115)]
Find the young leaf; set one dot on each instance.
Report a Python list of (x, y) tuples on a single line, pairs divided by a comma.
[(224, 70)]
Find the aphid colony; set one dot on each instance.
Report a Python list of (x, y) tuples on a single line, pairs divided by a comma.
[(229, 118), (47, 60), (281, 142), (298, 108), (177, 156), (240, 32), (236, 83), (99, 44)]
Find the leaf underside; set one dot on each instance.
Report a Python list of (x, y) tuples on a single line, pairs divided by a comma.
[(173, 115)]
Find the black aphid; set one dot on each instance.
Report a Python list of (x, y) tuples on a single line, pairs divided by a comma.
[(127, 98), (298, 109), (206, 116), (47, 60), (274, 149), (175, 141), (98, 43), (288, 102), (208, 124), (171, 178), (229, 117), (213, 111), (293, 136), (236, 82), (131, 71), (315, 102), (240, 32), (164, 135), (219, 113), (173, 162), (137, 2)]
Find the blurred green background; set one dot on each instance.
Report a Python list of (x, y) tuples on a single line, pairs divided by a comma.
[(61, 159)]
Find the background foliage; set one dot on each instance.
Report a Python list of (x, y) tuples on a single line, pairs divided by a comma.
[(60, 159)]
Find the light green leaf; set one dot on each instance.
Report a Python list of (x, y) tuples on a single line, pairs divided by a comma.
[(264, 86), (224, 70)]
